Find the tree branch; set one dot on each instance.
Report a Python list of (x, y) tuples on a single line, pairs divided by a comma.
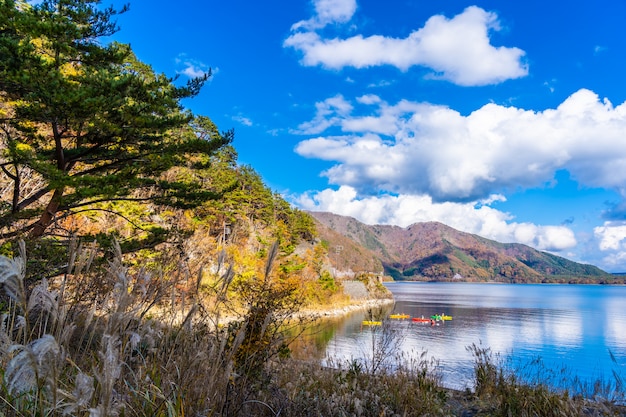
[(71, 213)]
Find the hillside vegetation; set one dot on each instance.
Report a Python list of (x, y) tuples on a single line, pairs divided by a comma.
[(96, 148), (434, 251)]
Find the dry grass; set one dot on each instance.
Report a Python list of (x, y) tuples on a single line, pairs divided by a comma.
[(140, 344), (133, 345), (501, 391)]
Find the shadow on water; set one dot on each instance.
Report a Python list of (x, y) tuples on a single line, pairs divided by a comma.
[(317, 338)]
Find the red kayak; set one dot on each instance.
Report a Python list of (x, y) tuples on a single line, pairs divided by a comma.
[(421, 320)]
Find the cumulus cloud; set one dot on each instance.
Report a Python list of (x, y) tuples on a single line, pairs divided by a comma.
[(403, 210), (327, 12), (612, 242), (456, 49), (328, 113), (420, 148), (612, 236)]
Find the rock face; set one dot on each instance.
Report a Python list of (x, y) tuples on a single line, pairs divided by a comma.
[(434, 251), (356, 290)]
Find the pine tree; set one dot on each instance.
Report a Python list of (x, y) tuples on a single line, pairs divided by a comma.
[(84, 122)]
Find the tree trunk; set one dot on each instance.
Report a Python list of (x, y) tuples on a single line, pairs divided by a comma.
[(48, 215)]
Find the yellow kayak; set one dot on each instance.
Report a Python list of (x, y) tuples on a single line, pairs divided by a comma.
[(371, 323), (399, 316)]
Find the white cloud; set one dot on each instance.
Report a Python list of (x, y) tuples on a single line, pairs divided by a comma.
[(379, 84), (457, 49), (243, 120), (404, 210), (615, 261), (612, 236), (192, 68), (327, 12), (328, 113), (192, 71), (598, 49), (420, 148)]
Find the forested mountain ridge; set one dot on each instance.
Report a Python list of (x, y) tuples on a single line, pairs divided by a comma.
[(434, 251)]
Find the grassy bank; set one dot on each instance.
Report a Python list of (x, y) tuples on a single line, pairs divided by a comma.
[(132, 344)]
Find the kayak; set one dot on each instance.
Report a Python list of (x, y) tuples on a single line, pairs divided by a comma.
[(371, 323), (441, 317), (421, 320), (399, 316)]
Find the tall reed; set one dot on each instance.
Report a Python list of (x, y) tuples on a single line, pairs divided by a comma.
[(136, 344)]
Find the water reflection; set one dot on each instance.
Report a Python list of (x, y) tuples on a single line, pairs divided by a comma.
[(615, 323), (582, 328)]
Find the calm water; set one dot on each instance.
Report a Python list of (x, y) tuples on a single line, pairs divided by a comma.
[(578, 328)]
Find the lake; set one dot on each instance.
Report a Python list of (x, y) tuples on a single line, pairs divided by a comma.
[(572, 330)]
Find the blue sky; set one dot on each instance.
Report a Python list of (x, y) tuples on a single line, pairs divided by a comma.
[(504, 119)]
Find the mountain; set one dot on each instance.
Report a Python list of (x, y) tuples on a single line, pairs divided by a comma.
[(434, 251)]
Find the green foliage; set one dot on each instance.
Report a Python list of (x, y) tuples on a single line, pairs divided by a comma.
[(291, 266), (395, 271), (467, 259), (555, 265), (327, 282), (246, 201), (303, 225)]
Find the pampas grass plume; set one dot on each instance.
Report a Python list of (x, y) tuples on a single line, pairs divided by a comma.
[(83, 389), (12, 272), (33, 362), (41, 298)]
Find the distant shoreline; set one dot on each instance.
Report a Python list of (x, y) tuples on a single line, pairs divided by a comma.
[(616, 284), (347, 309)]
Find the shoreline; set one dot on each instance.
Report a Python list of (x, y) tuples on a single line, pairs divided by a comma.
[(344, 310)]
